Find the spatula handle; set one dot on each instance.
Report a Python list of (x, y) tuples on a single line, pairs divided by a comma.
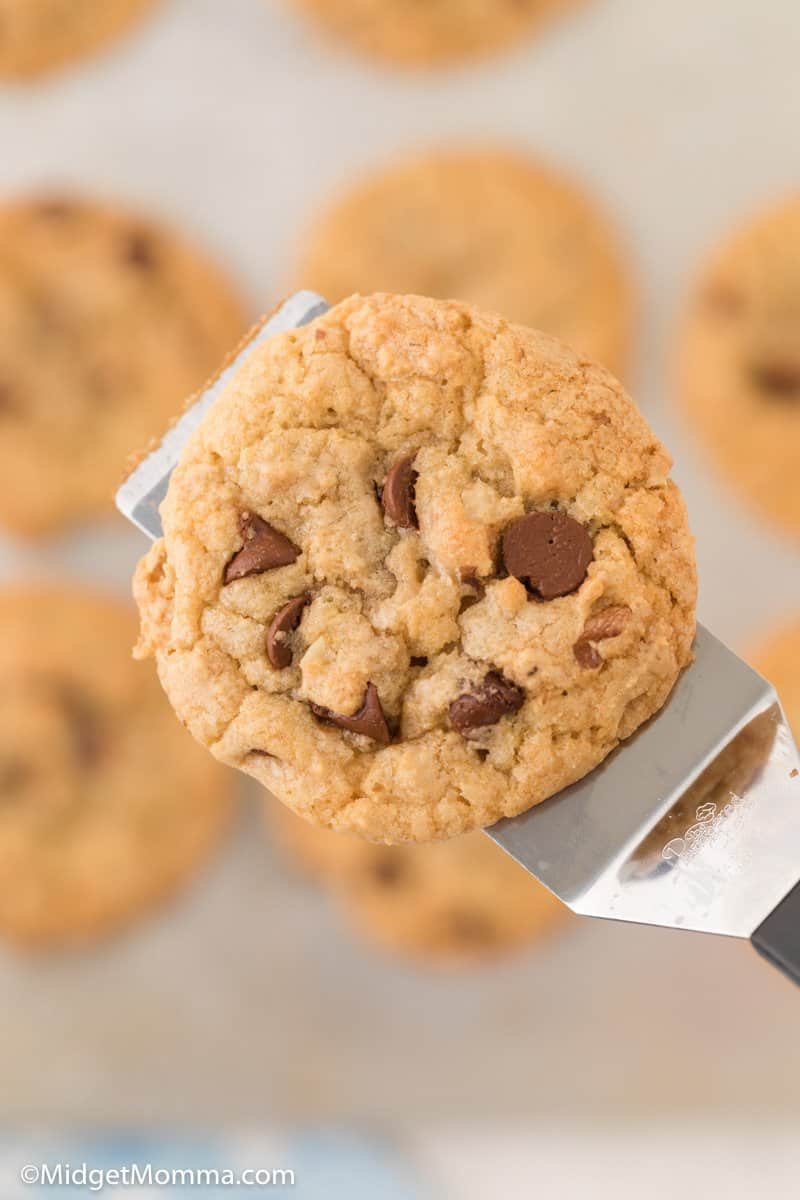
[(778, 938)]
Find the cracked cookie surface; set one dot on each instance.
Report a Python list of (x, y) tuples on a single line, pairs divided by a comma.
[(108, 322), (449, 904), (486, 226), (106, 804), (739, 362), (38, 35), (429, 690), (410, 33)]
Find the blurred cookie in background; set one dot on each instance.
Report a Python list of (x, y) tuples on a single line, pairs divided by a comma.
[(39, 35), (739, 362), (106, 803), (108, 323), (487, 226), (448, 903), (415, 33), (777, 657)]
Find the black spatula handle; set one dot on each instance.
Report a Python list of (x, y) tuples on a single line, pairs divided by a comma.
[(778, 938)]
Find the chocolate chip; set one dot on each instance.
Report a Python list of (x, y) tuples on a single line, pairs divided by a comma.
[(397, 496), (100, 384), (496, 697), (724, 299), (471, 579), (779, 379), (284, 622), (86, 727), (609, 623), (14, 774), (55, 209), (477, 590), (388, 870), (471, 927), (264, 549), (419, 660), (547, 551), (369, 720), (587, 656), (139, 251), (8, 404)]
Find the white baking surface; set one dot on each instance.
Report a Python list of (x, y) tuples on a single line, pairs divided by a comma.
[(247, 1000), (681, 1159)]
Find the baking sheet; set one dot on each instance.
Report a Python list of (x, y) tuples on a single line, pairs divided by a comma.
[(248, 1000)]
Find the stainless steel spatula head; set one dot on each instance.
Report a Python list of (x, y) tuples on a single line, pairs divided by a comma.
[(141, 494), (693, 823)]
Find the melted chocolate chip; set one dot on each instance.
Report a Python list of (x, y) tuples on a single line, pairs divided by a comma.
[(609, 623), (264, 549), (471, 927), (724, 299), (55, 209), (779, 379), (547, 551), (397, 496), (587, 656), (477, 589), (285, 622), (8, 404), (388, 870), (368, 721), (419, 660), (471, 579), (496, 697), (100, 384), (86, 727), (14, 774), (139, 251)]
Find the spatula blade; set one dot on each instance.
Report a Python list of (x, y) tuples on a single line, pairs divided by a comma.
[(140, 496), (694, 822)]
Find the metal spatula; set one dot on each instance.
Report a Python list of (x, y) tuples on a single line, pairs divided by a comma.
[(693, 823)]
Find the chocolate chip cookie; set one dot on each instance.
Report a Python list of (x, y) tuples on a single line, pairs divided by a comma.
[(38, 35), (450, 904), (487, 226), (740, 363), (410, 33), (490, 573), (107, 323), (106, 804)]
